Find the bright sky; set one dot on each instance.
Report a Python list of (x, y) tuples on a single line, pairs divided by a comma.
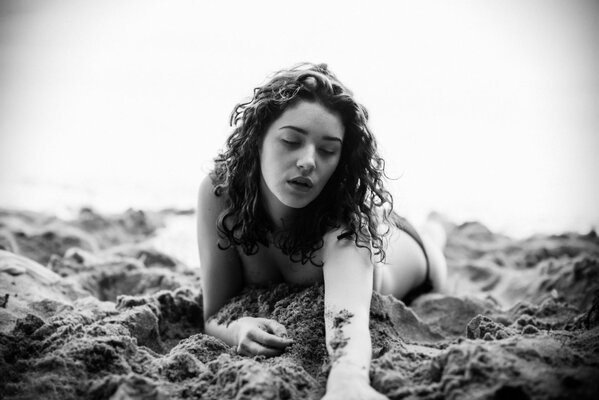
[(485, 109)]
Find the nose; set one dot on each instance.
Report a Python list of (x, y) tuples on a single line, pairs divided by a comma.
[(306, 161)]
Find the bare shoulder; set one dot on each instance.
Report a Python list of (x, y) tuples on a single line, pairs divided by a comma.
[(337, 242), (210, 207), (206, 195), (333, 236), (209, 204)]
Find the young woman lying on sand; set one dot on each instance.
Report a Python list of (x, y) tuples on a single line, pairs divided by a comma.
[(297, 196)]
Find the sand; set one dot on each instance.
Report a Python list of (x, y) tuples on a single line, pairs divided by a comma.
[(89, 309)]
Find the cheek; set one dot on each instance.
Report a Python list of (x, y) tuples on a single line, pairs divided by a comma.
[(330, 171), (333, 166), (271, 164), (266, 157)]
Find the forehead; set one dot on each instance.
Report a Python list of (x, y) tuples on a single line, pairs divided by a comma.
[(312, 117)]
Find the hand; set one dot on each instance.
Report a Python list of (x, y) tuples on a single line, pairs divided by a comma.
[(261, 336)]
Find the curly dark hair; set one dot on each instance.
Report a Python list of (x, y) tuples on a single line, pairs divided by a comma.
[(349, 200)]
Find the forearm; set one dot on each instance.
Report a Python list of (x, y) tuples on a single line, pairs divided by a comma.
[(348, 274), (348, 343)]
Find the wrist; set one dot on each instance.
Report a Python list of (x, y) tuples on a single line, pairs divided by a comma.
[(344, 370), (228, 333), (234, 332)]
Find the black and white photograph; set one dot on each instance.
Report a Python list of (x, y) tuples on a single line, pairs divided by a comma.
[(330, 200)]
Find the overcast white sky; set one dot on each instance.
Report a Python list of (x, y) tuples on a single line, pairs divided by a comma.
[(486, 109)]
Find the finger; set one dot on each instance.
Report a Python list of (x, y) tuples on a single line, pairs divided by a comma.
[(268, 339), (250, 348), (274, 327)]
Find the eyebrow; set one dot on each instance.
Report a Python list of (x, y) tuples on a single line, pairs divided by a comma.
[(304, 132)]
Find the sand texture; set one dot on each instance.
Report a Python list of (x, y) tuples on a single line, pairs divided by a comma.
[(89, 309)]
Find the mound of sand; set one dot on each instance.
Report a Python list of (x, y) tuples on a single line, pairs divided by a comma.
[(89, 310)]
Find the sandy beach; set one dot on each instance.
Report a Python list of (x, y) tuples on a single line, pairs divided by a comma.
[(91, 309)]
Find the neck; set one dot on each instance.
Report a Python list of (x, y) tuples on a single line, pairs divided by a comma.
[(279, 214)]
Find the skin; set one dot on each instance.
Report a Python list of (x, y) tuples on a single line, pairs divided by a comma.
[(305, 141)]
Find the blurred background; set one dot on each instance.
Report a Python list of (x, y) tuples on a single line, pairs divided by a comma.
[(483, 110)]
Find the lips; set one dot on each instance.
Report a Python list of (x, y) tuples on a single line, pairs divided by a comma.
[(301, 182)]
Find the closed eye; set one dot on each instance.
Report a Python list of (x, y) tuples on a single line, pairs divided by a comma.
[(290, 142), (328, 151)]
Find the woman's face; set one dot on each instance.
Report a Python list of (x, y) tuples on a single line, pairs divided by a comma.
[(299, 153)]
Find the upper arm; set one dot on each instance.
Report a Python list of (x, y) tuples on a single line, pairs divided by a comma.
[(348, 269), (220, 269)]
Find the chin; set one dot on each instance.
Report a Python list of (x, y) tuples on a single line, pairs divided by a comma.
[(296, 204)]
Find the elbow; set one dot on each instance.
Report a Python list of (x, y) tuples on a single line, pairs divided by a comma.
[(208, 314), (209, 324)]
